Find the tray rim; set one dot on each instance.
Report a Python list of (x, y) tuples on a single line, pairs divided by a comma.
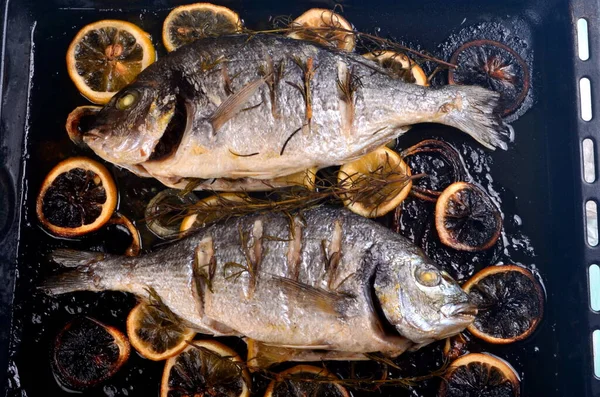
[(14, 167)]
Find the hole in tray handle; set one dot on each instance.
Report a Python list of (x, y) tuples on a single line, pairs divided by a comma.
[(596, 351), (583, 45), (591, 222), (585, 98), (589, 160), (594, 282)]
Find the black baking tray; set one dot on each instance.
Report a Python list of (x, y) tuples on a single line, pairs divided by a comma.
[(539, 177)]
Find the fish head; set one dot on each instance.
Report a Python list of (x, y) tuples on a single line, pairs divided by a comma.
[(136, 125), (421, 301)]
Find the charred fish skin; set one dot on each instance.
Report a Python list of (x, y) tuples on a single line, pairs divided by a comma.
[(264, 106), (326, 279)]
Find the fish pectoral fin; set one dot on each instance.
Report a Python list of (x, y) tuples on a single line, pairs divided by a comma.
[(300, 347), (317, 298), (234, 104), (251, 174), (262, 355), (73, 258)]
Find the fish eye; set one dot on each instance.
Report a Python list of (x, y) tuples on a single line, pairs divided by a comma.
[(428, 277), (126, 101)]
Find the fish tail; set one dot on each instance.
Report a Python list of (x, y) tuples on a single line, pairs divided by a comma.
[(474, 111), (78, 273)]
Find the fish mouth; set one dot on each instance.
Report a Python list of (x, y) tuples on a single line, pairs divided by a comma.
[(466, 311), (87, 122), (171, 138)]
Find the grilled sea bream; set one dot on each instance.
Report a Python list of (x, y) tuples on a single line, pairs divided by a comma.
[(238, 111), (325, 280)]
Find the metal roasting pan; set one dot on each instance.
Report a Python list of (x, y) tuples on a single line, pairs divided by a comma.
[(540, 177)]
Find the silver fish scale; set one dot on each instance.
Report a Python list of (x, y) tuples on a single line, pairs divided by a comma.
[(262, 131)]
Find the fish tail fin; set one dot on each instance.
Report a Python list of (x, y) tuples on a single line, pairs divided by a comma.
[(78, 273), (69, 281), (474, 111)]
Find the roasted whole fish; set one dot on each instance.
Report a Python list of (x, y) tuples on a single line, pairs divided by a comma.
[(326, 284), (246, 109)]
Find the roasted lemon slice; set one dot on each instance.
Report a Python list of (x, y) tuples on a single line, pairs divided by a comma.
[(87, 352), (375, 184), (163, 211), (136, 240), (305, 380), (306, 179), (78, 196), (205, 368), (400, 66), (107, 55), (466, 218), (479, 374), (156, 333), (323, 27), (188, 23), (513, 300), (494, 66)]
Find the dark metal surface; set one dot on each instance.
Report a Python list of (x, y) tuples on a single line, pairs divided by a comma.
[(541, 171), (590, 10)]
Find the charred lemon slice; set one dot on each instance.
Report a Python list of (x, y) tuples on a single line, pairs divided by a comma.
[(156, 333), (191, 22), (211, 209), (375, 184), (305, 380), (511, 303), (107, 55), (78, 196), (494, 66), (480, 375), (466, 219), (136, 240), (400, 66), (205, 368), (324, 27), (438, 160), (78, 121), (87, 352)]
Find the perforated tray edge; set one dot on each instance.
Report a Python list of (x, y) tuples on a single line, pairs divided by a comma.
[(590, 68)]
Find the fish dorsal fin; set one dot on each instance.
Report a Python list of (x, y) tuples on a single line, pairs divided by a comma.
[(321, 299), (234, 104)]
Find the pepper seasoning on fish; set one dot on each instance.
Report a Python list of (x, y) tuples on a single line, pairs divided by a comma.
[(246, 109), (325, 284)]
